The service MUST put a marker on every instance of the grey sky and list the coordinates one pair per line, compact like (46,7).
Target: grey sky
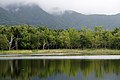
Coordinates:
(82,6)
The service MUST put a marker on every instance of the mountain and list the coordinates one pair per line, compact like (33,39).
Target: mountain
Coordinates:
(27,14)
(77,20)
(6,17)
(33,14)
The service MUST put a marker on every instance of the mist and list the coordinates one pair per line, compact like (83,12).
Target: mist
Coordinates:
(82,6)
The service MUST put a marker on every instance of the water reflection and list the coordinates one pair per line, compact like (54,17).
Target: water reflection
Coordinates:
(60,70)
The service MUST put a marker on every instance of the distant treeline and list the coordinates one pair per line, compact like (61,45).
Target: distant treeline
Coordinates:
(32,37)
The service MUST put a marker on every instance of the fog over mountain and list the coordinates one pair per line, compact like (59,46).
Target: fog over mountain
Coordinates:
(34,15)
(42,12)
(108,7)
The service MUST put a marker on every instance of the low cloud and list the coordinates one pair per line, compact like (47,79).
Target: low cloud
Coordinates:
(82,6)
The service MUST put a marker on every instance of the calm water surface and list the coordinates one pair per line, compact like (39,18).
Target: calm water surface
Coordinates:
(60,70)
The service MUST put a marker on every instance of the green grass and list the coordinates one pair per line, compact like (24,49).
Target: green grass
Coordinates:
(65,52)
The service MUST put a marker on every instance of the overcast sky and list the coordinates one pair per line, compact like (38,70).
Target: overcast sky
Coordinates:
(83,6)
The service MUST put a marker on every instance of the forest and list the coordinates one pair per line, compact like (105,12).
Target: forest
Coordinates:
(28,37)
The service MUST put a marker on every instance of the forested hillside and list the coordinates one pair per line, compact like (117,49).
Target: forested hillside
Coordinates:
(33,15)
(36,37)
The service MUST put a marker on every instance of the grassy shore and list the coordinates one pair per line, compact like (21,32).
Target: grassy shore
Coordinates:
(64,52)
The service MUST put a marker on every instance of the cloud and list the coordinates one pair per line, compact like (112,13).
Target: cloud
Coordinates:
(8,2)
(82,6)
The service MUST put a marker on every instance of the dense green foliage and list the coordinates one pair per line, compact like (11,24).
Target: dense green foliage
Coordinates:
(31,37)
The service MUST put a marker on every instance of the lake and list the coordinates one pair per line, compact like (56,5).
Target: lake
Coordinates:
(60,69)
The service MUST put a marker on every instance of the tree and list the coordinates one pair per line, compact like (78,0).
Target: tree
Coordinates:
(116,40)
(98,39)
(74,37)
(3,42)
(31,37)
(9,35)
(64,39)
(35,40)
(108,39)
(45,35)
(24,39)
(86,38)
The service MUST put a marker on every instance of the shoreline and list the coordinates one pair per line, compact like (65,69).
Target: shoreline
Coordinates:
(60,54)
(31,57)
(57,52)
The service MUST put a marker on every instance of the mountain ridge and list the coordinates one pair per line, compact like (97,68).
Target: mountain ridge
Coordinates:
(33,15)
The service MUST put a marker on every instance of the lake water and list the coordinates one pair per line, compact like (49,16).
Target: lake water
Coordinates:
(60,69)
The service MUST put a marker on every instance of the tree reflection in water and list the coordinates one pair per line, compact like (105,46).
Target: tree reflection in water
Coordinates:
(27,69)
